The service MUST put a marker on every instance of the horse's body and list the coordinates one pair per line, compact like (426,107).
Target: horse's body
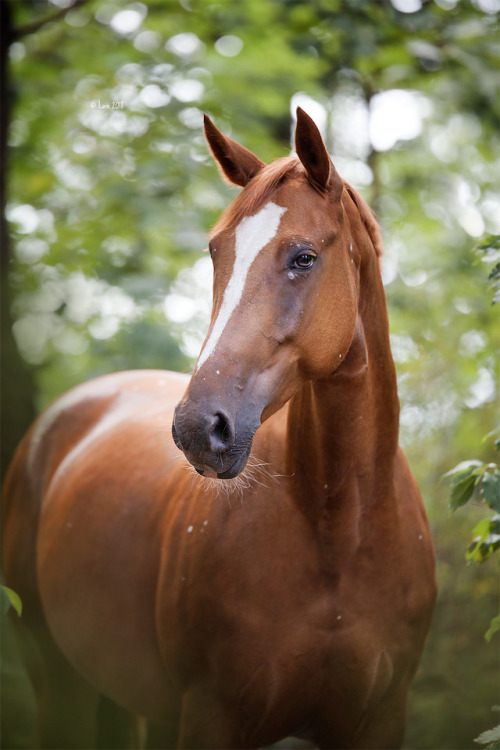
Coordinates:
(297,604)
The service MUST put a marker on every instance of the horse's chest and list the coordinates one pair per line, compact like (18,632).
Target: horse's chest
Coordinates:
(277,654)
(249,609)
(261,619)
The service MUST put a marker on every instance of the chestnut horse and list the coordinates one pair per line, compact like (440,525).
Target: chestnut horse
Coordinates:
(298,601)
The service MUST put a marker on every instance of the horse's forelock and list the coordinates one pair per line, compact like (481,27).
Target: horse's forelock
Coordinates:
(257,191)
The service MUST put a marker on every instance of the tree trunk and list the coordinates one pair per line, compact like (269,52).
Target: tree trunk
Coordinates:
(17,381)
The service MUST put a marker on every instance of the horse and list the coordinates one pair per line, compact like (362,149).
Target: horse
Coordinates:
(284,584)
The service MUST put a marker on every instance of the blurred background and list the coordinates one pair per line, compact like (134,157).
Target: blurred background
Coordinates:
(111,193)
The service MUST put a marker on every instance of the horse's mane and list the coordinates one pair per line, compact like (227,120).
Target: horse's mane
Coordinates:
(368,218)
(267,180)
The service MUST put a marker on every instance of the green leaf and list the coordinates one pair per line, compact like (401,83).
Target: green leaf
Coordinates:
(464,466)
(8,599)
(462,492)
(491,543)
(486,539)
(490,736)
(481,548)
(495,524)
(494,274)
(494,628)
(463,483)
(493,242)
(490,490)
(482,530)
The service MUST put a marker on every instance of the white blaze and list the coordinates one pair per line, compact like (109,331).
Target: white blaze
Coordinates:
(252,234)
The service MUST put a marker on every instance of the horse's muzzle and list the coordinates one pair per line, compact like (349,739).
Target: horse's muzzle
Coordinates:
(210,441)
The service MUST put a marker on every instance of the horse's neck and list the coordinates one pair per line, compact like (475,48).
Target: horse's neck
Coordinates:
(343,431)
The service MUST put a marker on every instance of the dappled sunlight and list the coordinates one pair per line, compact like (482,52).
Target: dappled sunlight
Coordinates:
(71,176)
(129,19)
(187,90)
(407,6)
(350,123)
(229,45)
(418,422)
(396,115)
(404,348)
(472,343)
(32,333)
(153,96)
(189,304)
(192,118)
(147,41)
(482,390)
(185,45)
(31,249)
(25,217)
(29,220)
(84,302)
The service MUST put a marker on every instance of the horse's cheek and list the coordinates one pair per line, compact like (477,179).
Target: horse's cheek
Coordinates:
(324,337)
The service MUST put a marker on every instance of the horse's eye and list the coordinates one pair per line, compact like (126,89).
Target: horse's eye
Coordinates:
(304,261)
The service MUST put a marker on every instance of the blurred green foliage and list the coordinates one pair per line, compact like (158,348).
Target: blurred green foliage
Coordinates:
(112,192)
(481,481)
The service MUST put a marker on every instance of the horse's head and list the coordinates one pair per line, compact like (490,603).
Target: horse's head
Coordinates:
(286,279)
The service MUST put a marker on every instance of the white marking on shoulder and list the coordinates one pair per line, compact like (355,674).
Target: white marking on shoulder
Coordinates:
(253,233)
(64,403)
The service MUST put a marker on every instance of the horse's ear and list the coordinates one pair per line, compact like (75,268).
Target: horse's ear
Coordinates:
(313,154)
(237,163)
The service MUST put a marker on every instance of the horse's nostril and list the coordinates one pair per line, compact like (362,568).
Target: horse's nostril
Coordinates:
(221,433)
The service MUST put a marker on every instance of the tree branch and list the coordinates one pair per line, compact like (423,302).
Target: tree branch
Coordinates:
(31,28)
